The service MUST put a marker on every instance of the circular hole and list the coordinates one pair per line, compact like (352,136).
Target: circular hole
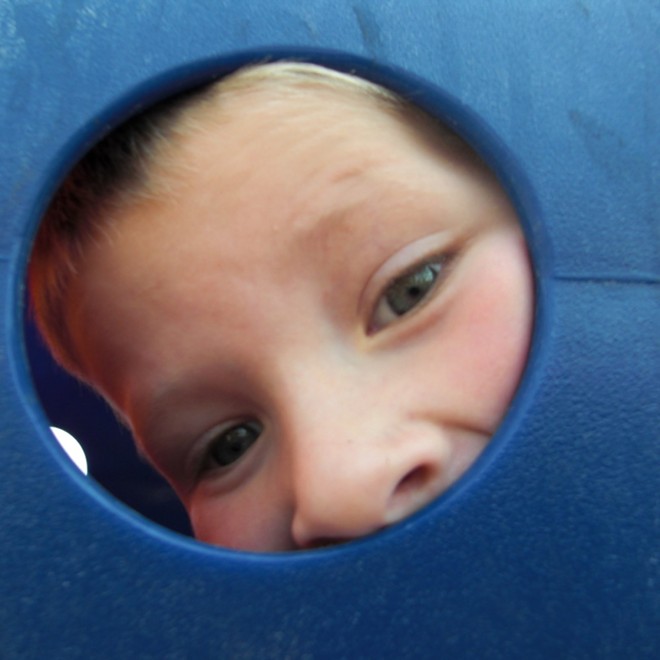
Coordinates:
(309,300)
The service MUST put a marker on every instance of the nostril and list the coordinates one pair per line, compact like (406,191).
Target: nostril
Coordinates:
(414,491)
(414,480)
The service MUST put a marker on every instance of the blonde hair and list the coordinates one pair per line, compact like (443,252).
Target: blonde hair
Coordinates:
(118,170)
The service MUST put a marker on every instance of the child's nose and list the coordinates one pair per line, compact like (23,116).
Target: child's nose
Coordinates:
(351,486)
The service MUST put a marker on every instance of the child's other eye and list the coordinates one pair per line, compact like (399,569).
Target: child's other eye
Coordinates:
(408,291)
(230,445)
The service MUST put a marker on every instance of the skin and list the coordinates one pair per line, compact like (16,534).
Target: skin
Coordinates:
(255,291)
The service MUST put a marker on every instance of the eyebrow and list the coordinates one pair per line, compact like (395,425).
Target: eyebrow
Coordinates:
(371,209)
(320,224)
(151,423)
(156,422)
(159,403)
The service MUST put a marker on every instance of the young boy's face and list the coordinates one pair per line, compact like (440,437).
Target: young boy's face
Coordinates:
(317,330)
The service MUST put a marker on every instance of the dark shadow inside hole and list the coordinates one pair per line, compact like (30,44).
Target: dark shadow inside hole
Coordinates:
(111,455)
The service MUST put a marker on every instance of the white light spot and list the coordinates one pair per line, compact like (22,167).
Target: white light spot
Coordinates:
(72,447)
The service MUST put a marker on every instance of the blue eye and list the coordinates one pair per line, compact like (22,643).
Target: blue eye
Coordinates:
(230,445)
(408,291)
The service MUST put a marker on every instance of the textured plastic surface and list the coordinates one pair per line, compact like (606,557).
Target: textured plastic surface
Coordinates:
(550,547)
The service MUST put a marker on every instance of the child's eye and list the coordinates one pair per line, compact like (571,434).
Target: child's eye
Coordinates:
(229,445)
(408,291)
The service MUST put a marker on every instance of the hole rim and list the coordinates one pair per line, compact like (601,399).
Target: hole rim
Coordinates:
(428,95)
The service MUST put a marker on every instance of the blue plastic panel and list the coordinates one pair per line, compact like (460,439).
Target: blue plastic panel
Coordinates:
(550,547)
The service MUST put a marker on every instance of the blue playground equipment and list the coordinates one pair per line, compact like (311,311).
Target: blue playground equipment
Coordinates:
(550,546)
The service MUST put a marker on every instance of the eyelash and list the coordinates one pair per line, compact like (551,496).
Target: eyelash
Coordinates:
(435,268)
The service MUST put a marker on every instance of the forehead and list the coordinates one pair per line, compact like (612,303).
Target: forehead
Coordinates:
(305,147)
(233,134)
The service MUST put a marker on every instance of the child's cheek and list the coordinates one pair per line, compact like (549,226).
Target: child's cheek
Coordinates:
(252,518)
(502,322)
(487,329)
